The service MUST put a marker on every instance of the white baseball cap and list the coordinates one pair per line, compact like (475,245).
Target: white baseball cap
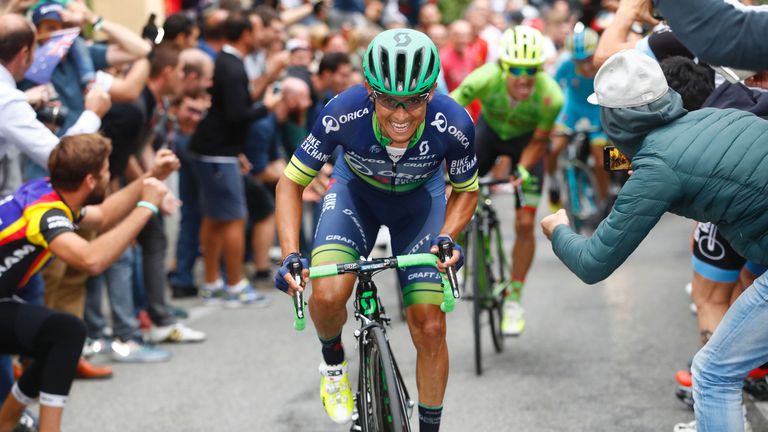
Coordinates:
(627,79)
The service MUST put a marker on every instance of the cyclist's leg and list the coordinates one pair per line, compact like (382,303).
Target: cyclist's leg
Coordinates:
(716,269)
(597,142)
(563,130)
(413,225)
(345,231)
(485,146)
(525,240)
(749,273)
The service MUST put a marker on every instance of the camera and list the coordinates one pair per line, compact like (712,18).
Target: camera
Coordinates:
(51,114)
(614,160)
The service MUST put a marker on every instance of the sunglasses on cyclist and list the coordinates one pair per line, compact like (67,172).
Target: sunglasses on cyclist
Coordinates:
(519,71)
(392,103)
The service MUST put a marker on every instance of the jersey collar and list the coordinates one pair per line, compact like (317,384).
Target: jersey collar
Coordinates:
(384,141)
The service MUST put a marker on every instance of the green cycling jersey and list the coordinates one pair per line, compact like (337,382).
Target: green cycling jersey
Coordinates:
(509,118)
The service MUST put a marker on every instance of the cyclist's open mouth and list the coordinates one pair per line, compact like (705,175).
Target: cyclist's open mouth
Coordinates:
(400,127)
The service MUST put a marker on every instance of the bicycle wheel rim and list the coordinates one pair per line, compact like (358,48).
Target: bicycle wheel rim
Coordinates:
(478,294)
(497,302)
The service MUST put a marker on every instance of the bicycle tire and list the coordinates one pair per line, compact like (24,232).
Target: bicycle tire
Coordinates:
(579,191)
(382,405)
(479,271)
(495,312)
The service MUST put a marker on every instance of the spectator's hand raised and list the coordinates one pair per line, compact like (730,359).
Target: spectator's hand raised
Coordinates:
(77,13)
(642,10)
(276,63)
(98,101)
(164,164)
(549,223)
(153,191)
(38,95)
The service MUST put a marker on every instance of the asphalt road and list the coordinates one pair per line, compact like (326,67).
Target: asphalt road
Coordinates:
(593,358)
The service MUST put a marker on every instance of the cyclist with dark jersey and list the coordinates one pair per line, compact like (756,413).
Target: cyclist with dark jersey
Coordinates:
(519,105)
(38,222)
(395,133)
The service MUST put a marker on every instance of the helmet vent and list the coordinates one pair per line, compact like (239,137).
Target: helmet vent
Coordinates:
(400,72)
(418,58)
(386,78)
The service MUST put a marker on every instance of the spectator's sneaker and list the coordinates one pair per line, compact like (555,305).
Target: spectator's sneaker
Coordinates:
(183,291)
(88,370)
(684,390)
(136,352)
(685,427)
(245,295)
(213,296)
(145,323)
(175,333)
(335,392)
(95,347)
(27,423)
(513,321)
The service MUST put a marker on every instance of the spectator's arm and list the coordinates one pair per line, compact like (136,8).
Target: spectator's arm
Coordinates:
(641,203)
(718,33)
(128,88)
(133,169)
(616,36)
(21,128)
(275,66)
(293,15)
(96,256)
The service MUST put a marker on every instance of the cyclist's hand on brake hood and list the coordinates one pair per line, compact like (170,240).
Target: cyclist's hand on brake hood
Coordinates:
(284,281)
(457,260)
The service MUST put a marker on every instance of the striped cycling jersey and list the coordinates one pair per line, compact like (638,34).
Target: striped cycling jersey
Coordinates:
(349,121)
(30,219)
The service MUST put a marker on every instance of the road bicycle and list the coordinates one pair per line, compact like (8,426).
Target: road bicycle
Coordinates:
(486,269)
(577,184)
(382,401)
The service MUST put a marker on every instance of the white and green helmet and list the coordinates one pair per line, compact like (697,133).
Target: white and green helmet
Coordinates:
(401,62)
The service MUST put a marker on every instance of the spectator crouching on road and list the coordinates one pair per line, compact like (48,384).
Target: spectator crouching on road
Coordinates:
(710,165)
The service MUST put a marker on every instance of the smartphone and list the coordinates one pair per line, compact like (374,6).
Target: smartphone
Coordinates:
(734,76)
(614,160)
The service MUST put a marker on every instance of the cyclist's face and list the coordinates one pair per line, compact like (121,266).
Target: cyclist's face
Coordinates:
(586,67)
(399,117)
(520,87)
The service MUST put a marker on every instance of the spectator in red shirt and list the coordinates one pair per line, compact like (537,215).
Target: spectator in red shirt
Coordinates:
(460,57)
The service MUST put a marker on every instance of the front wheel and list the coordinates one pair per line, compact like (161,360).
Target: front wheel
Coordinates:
(382,404)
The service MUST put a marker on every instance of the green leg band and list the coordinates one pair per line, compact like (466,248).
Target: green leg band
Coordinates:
(333,253)
(422,293)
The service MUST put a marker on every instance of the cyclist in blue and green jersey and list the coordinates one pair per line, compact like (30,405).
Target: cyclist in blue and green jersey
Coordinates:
(395,133)
(576,75)
(519,105)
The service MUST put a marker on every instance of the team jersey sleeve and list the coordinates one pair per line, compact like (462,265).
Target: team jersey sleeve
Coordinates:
(46,224)
(552,103)
(461,160)
(474,86)
(317,147)
(562,74)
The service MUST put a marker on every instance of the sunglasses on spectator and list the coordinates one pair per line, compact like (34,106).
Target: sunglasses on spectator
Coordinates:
(392,103)
(519,71)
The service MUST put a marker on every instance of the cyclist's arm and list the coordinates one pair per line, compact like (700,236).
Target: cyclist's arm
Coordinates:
(459,210)
(535,149)
(642,201)
(473,86)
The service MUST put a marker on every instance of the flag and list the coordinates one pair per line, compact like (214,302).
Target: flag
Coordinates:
(48,56)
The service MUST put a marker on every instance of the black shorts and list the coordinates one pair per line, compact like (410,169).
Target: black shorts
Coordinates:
(259,198)
(715,259)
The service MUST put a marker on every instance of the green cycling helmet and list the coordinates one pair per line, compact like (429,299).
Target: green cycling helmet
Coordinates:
(401,62)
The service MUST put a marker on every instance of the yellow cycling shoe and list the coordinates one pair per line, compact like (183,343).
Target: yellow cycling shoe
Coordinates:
(335,392)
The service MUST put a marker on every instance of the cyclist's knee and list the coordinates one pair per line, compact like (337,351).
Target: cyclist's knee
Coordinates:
(329,294)
(524,223)
(427,323)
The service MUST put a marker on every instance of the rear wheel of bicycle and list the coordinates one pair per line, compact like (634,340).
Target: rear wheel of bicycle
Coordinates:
(382,405)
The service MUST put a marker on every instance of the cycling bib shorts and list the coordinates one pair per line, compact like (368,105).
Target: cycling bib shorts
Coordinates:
(714,258)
